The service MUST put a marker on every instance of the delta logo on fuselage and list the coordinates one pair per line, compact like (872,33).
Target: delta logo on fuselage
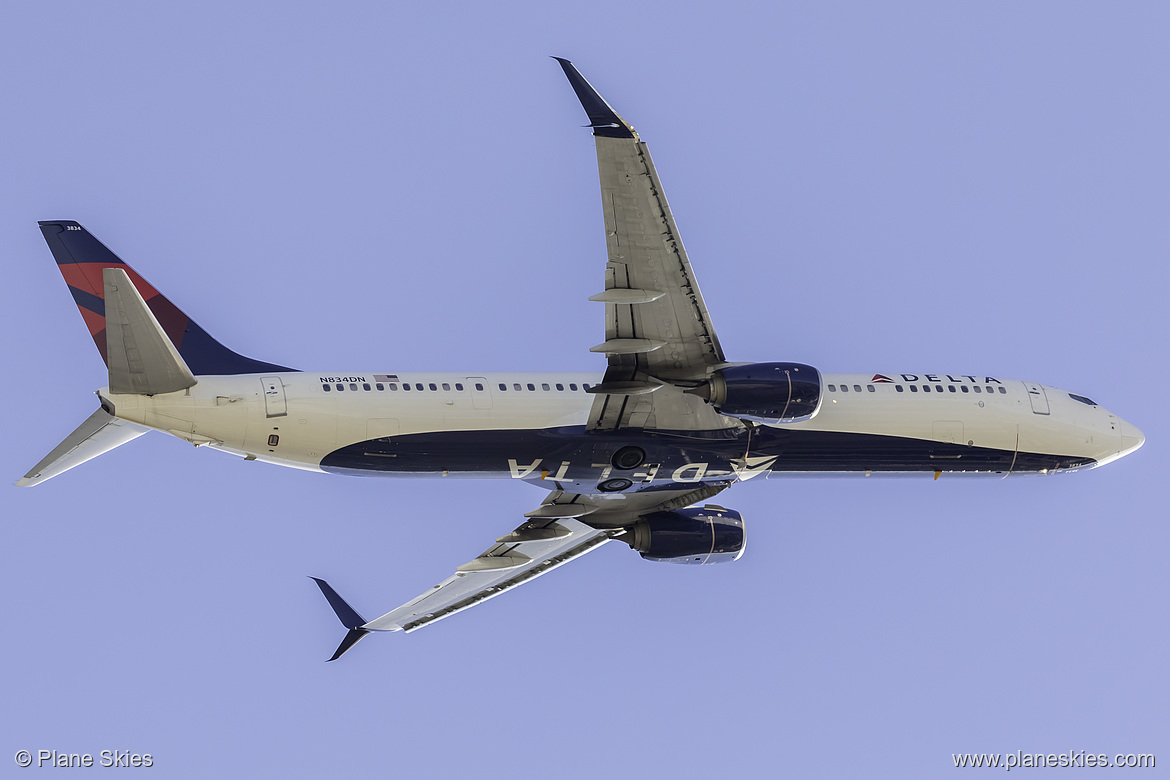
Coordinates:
(987,380)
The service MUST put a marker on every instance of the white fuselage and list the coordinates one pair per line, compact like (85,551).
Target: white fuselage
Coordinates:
(290,419)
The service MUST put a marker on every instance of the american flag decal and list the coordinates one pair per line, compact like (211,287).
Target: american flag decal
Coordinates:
(385,377)
(880,378)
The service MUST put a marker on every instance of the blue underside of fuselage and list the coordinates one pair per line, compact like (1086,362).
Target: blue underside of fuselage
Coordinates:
(573,454)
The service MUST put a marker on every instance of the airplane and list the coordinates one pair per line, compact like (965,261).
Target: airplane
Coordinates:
(631,454)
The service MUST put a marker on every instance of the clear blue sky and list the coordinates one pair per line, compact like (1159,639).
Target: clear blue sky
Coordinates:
(902,187)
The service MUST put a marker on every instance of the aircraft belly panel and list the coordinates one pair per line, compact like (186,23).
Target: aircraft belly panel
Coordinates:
(573,456)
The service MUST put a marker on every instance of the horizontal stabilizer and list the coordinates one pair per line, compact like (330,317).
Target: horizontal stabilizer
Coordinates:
(140,356)
(101,433)
(346,614)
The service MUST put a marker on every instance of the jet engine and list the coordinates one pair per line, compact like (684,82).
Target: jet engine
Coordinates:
(764,392)
(710,534)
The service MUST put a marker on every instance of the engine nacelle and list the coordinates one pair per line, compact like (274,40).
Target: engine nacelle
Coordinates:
(710,534)
(764,392)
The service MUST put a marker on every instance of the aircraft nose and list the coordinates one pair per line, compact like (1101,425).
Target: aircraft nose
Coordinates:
(1131,437)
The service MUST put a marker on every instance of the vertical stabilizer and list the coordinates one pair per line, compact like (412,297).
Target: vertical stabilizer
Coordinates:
(82,260)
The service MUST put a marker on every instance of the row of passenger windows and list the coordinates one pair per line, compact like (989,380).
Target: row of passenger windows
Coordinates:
(394,386)
(544,386)
(419,386)
(925,388)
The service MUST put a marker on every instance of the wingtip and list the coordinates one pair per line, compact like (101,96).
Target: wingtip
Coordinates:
(348,616)
(602,118)
(351,639)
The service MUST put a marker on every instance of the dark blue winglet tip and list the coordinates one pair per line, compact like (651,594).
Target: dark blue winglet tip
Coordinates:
(349,641)
(602,118)
(346,614)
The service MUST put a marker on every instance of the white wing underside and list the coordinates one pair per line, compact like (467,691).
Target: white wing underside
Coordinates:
(657,326)
(657,333)
(518,564)
(525,553)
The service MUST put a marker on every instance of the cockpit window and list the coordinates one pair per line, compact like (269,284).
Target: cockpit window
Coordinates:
(1082,399)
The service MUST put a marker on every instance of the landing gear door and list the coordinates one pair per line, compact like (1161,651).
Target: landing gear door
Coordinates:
(274,402)
(1037,397)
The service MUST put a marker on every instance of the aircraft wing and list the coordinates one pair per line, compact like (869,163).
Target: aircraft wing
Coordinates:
(554,534)
(531,550)
(657,326)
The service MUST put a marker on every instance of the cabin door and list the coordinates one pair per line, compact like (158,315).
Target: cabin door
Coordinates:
(274,402)
(1037,397)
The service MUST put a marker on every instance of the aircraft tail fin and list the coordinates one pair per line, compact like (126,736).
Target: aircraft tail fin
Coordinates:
(83,260)
(99,434)
(347,615)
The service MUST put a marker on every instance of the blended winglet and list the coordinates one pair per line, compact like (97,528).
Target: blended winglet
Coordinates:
(602,118)
(346,614)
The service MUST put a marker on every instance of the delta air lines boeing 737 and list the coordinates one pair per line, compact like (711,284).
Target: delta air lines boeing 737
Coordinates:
(634,453)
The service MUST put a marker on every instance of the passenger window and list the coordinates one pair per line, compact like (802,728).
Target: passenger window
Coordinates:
(898,388)
(832,388)
(394,387)
(365,387)
(503,386)
(418,386)
(926,388)
(844,388)
(1003,390)
(531,386)
(326,388)
(951,388)
(978,389)
(990,389)
(870,388)
(573,386)
(516,386)
(432,386)
(379,386)
(478,387)
(340,387)
(406,386)
(964,388)
(560,386)
(447,386)
(857,388)
(545,386)
(586,385)
(913,388)
(938,388)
